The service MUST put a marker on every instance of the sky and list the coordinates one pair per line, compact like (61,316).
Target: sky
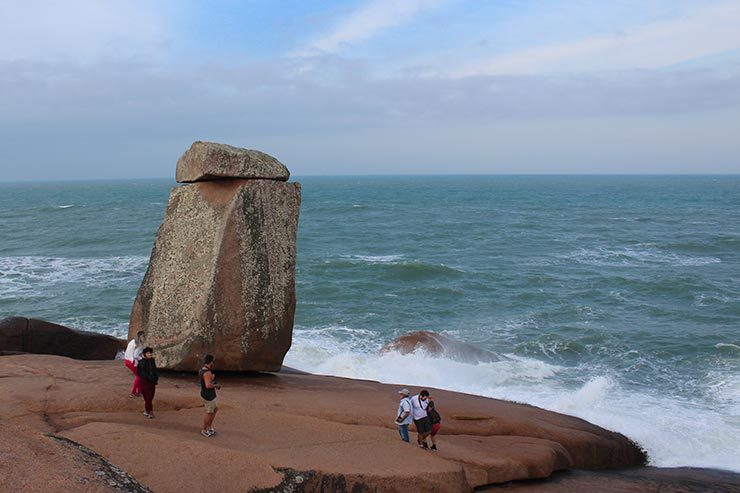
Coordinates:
(93,89)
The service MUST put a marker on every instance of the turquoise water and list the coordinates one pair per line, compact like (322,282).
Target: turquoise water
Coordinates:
(613,298)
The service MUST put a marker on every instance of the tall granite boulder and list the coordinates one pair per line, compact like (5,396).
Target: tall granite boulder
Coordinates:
(221,277)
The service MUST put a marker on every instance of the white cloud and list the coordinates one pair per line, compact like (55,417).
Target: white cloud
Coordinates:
(706,32)
(80,30)
(367,21)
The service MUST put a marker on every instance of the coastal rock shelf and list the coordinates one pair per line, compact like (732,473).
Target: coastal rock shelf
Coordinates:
(221,277)
(30,335)
(289,428)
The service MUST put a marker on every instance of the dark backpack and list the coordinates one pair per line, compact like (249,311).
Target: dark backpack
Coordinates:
(434,416)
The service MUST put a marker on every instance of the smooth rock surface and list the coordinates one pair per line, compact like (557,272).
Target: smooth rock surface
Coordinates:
(335,434)
(221,277)
(29,335)
(642,480)
(33,462)
(206,161)
(436,344)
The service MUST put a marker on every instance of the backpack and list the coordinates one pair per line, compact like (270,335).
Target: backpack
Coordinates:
(434,416)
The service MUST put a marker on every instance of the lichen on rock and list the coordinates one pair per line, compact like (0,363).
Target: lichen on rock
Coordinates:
(221,277)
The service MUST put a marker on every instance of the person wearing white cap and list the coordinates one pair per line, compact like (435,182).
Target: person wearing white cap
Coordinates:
(403,419)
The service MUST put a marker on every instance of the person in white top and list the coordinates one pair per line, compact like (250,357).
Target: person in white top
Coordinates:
(419,406)
(403,419)
(131,358)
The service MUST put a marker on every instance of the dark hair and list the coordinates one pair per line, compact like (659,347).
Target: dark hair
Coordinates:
(147,350)
(140,333)
(208,359)
(424,393)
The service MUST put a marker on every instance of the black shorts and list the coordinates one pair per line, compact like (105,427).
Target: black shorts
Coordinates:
(423,425)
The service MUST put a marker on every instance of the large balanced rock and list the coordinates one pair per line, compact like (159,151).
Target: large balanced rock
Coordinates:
(206,161)
(435,344)
(29,335)
(221,278)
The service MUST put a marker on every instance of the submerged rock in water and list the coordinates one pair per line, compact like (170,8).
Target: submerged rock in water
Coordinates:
(438,345)
(221,277)
(206,161)
(29,335)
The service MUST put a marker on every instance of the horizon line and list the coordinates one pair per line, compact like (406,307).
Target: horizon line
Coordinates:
(349,175)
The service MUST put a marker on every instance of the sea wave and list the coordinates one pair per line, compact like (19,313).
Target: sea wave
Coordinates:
(727,345)
(633,257)
(375,259)
(707,299)
(397,266)
(26,274)
(96,324)
(674,431)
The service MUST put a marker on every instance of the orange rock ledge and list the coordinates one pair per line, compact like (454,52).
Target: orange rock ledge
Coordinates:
(281,432)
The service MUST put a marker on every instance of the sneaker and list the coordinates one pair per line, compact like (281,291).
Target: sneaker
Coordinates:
(133,396)
(148,415)
(424,445)
(433,447)
(211,431)
(206,433)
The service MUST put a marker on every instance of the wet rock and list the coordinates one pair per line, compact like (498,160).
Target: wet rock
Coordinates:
(643,479)
(29,335)
(438,345)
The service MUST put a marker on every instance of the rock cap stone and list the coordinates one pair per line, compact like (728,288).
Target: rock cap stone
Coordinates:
(206,161)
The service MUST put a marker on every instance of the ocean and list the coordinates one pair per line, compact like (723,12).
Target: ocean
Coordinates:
(611,298)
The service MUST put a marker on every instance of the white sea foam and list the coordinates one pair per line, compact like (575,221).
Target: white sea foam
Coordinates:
(633,257)
(89,324)
(376,259)
(65,206)
(28,274)
(727,345)
(675,432)
(706,299)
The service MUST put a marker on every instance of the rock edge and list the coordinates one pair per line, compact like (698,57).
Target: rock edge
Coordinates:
(206,161)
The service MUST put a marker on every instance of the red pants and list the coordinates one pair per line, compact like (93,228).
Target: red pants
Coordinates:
(435,428)
(147,390)
(136,388)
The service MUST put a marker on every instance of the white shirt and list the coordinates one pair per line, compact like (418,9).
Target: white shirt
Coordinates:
(404,406)
(419,407)
(133,352)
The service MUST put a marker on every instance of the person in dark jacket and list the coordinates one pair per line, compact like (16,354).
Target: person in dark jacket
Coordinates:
(436,421)
(147,370)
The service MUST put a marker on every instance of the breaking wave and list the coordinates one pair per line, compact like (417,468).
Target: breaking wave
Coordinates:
(674,431)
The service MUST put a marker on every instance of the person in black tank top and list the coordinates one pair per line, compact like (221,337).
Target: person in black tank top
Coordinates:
(207,394)
(208,387)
